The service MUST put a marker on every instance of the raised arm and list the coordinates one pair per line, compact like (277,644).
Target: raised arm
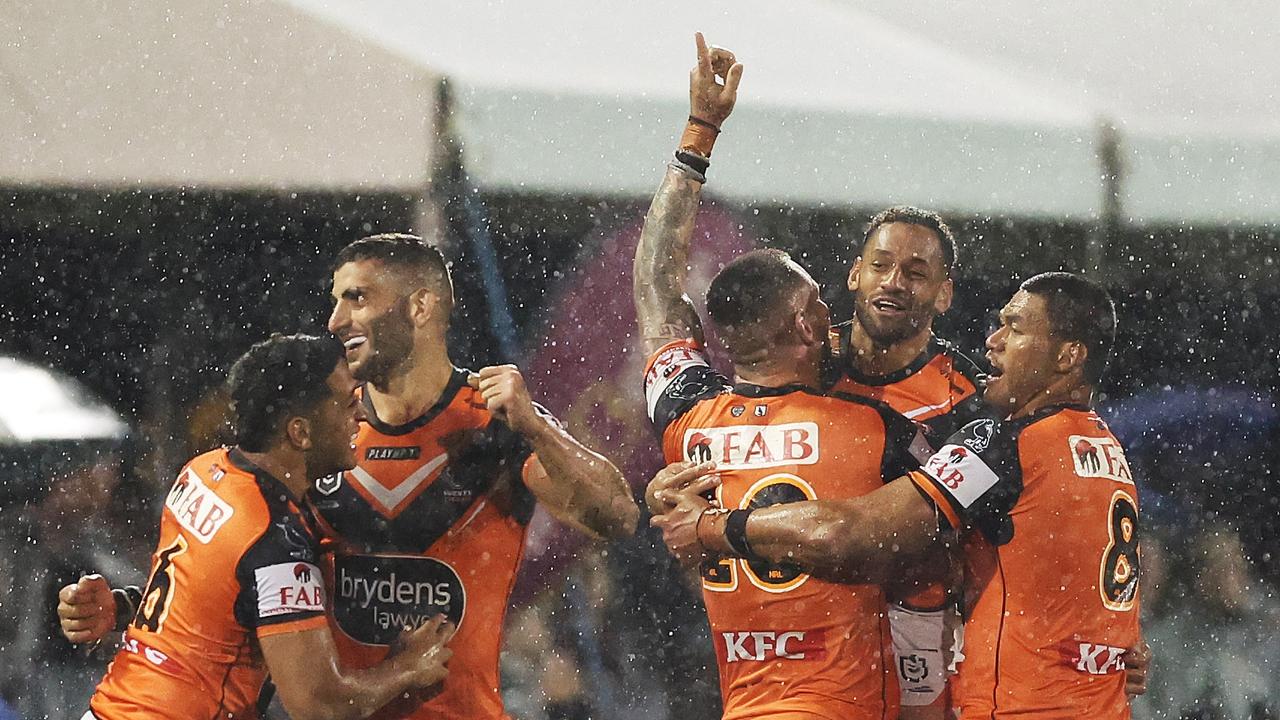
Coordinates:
(576,484)
(663,311)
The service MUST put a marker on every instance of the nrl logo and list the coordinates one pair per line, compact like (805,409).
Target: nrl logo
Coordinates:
(329,484)
(980,435)
(914,668)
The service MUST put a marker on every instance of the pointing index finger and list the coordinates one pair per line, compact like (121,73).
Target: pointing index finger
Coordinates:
(704,55)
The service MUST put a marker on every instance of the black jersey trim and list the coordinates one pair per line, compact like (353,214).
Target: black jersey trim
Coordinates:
(267,483)
(934,348)
(1022,423)
(456,383)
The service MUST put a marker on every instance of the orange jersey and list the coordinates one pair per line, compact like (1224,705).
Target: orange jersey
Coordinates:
(938,390)
(788,645)
(237,561)
(431,520)
(1055,569)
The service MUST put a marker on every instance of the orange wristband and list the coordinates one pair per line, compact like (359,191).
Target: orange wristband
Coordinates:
(699,137)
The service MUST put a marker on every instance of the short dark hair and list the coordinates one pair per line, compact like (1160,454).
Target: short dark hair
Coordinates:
(1079,310)
(401,251)
(915,216)
(750,290)
(282,376)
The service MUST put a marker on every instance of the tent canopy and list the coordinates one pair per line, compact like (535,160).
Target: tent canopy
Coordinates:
(857,102)
(1194,88)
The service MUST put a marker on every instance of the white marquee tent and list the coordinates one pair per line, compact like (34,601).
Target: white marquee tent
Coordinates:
(841,104)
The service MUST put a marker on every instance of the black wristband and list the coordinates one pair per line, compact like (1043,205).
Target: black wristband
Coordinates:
(735,533)
(693,160)
(127,601)
(699,121)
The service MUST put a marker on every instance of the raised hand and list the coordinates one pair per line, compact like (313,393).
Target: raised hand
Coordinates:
(713,83)
(426,649)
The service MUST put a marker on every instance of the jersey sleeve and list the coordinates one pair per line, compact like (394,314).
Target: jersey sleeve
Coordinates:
(281,586)
(976,478)
(903,440)
(676,378)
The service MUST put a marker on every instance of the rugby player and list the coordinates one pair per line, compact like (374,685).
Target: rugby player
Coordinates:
(450,464)
(787,645)
(901,280)
(235,589)
(1045,495)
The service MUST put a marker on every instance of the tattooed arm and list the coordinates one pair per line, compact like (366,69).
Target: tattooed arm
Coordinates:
(663,309)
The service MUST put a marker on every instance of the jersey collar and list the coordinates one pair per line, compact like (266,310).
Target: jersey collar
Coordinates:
(456,383)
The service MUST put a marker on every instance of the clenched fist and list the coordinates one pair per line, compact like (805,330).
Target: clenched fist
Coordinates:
(504,391)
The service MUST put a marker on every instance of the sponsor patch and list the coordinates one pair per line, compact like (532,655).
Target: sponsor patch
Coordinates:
(961,473)
(754,446)
(289,588)
(1099,457)
(1092,658)
(759,646)
(198,510)
(666,368)
(393,453)
(376,597)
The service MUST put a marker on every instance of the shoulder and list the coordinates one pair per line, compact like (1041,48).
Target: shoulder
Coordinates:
(677,377)
(214,501)
(960,361)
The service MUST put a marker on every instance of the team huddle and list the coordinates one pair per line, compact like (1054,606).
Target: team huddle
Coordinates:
(881,528)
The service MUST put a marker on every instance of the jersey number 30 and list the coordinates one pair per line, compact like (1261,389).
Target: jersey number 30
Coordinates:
(1118,580)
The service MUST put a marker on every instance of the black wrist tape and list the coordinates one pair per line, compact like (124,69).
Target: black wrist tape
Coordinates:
(735,533)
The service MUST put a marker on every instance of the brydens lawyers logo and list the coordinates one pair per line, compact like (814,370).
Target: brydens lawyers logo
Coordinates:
(737,646)
(754,446)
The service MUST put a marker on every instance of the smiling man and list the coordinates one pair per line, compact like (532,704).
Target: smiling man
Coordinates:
(1045,499)
(433,517)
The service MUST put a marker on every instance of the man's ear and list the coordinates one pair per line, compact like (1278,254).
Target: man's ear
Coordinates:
(423,306)
(806,328)
(1072,356)
(945,294)
(298,432)
(852,282)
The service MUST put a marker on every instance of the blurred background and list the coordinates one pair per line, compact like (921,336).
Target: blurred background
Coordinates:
(175,179)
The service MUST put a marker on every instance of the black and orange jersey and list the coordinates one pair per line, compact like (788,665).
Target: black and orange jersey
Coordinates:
(938,390)
(237,560)
(1054,568)
(431,521)
(788,645)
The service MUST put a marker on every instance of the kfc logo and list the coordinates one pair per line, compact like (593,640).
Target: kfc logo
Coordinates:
(772,645)
(302,572)
(1099,457)
(1093,658)
(754,446)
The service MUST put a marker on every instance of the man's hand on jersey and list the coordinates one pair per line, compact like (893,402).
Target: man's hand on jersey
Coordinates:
(86,609)
(425,647)
(504,391)
(679,524)
(709,99)
(1137,661)
(676,476)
